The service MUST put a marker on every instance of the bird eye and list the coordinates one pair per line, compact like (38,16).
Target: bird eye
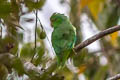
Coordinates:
(64,34)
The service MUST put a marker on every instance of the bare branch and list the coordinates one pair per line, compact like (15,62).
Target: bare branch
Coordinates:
(35,35)
(116,77)
(96,37)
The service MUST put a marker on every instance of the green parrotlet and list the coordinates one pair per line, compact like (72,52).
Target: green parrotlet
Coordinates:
(63,37)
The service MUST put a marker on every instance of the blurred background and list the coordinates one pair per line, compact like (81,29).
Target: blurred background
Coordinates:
(98,61)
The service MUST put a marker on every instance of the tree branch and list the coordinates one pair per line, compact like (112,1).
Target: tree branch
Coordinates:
(7,58)
(116,77)
(35,35)
(96,37)
(31,70)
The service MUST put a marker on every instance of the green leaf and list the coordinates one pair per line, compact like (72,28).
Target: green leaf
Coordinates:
(18,66)
(27,51)
(100,74)
(14,49)
(40,51)
(34,5)
(5,8)
(68,75)
(80,58)
(108,17)
(12,43)
(3,72)
(8,44)
(112,18)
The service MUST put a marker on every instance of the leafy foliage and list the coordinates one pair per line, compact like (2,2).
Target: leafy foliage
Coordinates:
(34,4)
(16,53)
(7,8)
(4,72)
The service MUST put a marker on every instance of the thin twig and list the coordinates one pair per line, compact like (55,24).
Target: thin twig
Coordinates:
(43,29)
(96,37)
(35,36)
(1,32)
(116,77)
(46,34)
(0,29)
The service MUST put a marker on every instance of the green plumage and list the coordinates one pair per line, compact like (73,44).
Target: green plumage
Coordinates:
(63,37)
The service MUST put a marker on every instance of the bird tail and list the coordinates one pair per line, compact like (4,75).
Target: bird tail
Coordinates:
(62,58)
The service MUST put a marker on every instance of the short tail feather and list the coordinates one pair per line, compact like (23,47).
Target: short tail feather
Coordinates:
(62,58)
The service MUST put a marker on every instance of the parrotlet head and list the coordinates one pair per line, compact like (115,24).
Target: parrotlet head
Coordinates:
(57,19)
